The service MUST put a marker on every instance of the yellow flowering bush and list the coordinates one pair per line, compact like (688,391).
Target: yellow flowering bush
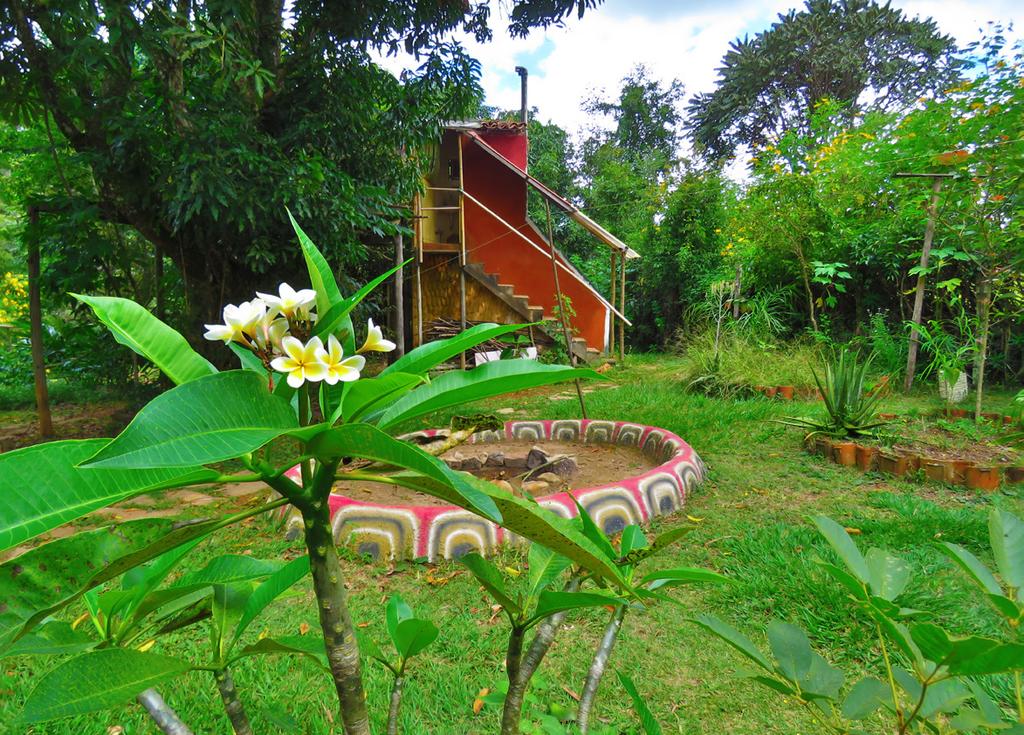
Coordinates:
(13,298)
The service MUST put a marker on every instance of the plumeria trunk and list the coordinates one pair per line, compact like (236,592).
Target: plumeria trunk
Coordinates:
(512,711)
(983,301)
(165,718)
(232,704)
(597,667)
(339,633)
(396,703)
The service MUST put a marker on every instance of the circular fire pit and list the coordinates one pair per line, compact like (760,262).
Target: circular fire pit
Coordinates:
(661,469)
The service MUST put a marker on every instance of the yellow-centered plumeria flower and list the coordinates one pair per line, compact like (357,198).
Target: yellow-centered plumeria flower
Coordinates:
(288,301)
(340,369)
(375,341)
(238,321)
(301,362)
(269,331)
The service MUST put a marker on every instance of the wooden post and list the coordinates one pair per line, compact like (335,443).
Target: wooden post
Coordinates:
(417,244)
(611,314)
(929,233)
(35,318)
(736,285)
(622,310)
(566,334)
(462,254)
(399,301)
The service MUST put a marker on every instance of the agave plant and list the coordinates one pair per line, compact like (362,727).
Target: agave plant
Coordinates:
(849,408)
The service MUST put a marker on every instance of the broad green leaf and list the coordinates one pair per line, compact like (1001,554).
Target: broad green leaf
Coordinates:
(822,680)
(864,699)
(647,721)
(335,317)
(369,647)
(489,576)
(212,419)
(553,601)
(592,532)
(45,579)
(141,580)
(1006,534)
(397,611)
(661,542)
(1006,607)
(545,566)
(320,274)
(771,683)
(42,487)
(633,539)
(248,360)
(432,354)
(457,388)
(229,602)
(791,649)
(943,696)
(735,639)
(974,567)
(269,590)
(96,681)
(310,646)
(898,634)
(54,638)
(230,568)
(531,521)
(843,545)
(371,394)
(852,585)
(369,442)
(888,575)
(413,635)
(143,333)
(682,575)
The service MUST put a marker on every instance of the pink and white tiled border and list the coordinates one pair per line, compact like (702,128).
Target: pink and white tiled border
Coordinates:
(433,532)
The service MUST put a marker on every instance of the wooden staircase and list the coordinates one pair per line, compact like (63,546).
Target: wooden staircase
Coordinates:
(521,305)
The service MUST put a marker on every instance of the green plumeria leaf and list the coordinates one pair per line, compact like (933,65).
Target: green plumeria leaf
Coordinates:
(397,611)
(1006,534)
(134,327)
(888,575)
(974,567)
(735,639)
(367,395)
(864,699)
(55,638)
(647,721)
(682,575)
(96,681)
(489,576)
(275,585)
(457,388)
(413,635)
(330,321)
(310,646)
(42,487)
(211,419)
(545,566)
(432,354)
(844,546)
(553,601)
(369,442)
(791,649)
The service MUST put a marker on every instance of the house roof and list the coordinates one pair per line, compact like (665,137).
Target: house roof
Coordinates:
(559,201)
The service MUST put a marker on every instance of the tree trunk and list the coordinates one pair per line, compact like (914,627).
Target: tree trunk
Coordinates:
(737,284)
(598,666)
(983,304)
(915,334)
(165,718)
(513,710)
(232,704)
(35,317)
(339,633)
(396,703)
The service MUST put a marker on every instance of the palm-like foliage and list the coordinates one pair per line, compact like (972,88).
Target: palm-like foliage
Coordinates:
(849,409)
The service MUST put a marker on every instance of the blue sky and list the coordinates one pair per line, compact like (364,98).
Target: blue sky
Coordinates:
(682,39)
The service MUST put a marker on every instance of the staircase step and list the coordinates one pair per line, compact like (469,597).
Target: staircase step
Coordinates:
(536,313)
(508,288)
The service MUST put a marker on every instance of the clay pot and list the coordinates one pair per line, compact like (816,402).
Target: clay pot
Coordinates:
(769,391)
(937,470)
(1007,420)
(958,413)
(887,416)
(913,463)
(823,446)
(1014,475)
(959,467)
(997,417)
(785,392)
(844,453)
(892,463)
(867,457)
(982,478)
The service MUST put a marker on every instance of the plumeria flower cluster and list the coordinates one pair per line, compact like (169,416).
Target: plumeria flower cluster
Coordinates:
(279,331)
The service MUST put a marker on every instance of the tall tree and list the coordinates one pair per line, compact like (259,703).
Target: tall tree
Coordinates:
(203,120)
(855,52)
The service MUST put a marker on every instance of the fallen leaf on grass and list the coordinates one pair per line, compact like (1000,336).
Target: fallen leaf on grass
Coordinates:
(854,531)
(440,581)
(694,519)
(478,703)
(570,692)
(303,628)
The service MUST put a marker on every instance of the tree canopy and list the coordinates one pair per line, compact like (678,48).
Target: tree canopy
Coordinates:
(855,52)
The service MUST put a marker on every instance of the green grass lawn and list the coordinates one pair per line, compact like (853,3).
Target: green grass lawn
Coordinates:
(752,525)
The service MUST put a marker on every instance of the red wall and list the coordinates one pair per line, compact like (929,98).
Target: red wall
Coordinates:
(511,145)
(505,254)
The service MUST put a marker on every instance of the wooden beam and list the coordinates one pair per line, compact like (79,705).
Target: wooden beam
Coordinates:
(462,253)
(622,303)
(566,334)
(610,347)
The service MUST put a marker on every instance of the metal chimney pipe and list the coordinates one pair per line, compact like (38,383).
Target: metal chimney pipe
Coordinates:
(523,109)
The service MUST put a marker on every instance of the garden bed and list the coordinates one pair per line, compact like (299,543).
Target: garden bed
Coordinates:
(950,449)
(623,474)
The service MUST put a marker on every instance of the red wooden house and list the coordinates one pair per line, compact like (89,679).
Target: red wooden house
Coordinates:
(479,257)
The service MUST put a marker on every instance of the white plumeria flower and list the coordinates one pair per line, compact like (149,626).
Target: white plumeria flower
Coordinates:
(338,369)
(238,321)
(375,341)
(289,300)
(302,362)
(270,331)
